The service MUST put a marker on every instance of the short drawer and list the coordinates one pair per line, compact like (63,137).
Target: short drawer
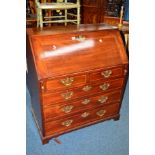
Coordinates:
(71,94)
(83,118)
(106,74)
(65,82)
(64,109)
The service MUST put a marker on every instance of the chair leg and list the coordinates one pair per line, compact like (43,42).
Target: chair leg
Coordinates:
(41,18)
(37,17)
(78,15)
(65,17)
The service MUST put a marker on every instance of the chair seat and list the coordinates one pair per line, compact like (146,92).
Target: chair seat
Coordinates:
(58,5)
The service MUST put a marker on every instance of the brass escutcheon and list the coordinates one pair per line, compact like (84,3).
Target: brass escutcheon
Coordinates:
(67,81)
(105,86)
(79,38)
(85,114)
(42,87)
(101,113)
(67,95)
(106,73)
(67,108)
(67,123)
(85,101)
(87,88)
(103,99)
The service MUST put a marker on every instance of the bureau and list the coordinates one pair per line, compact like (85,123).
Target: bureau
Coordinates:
(75,75)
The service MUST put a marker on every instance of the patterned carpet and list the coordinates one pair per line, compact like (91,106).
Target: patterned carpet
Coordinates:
(106,138)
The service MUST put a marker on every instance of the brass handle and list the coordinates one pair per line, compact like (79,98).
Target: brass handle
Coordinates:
(101,113)
(79,38)
(67,123)
(106,73)
(85,101)
(105,86)
(85,114)
(103,99)
(67,108)
(87,88)
(67,95)
(67,81)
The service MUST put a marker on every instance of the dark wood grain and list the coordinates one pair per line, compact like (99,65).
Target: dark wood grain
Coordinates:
(53,98)
(56,84)
(52,111)
(56,126)
(33,85)
(47,61)
(92,11)
(92,63)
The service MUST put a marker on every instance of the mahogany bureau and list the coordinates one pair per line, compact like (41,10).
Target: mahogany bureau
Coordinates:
(75,75)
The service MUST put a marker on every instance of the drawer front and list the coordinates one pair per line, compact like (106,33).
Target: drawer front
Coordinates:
(83,118)
(68,95)
(106,74)
(50,112)
(65,82)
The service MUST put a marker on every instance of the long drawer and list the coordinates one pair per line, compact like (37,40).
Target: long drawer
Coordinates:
(81,119)
(67,108)
(70,94)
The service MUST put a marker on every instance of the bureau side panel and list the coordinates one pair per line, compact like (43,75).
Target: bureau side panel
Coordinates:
(33,85)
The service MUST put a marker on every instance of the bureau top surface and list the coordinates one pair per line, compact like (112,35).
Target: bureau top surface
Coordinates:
(68,50)
(68,29)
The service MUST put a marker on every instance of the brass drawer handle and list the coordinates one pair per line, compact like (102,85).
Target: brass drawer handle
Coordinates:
(103,99)
(67,123)
(101,113)
(85,114)
(87,88)
(67,95)
(106,73)
(85,101)
(67,108)
(67,81)
(105,86)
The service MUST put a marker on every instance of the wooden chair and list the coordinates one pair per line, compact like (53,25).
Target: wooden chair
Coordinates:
(64,5)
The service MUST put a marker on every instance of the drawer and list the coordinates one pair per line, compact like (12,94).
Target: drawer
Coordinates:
(83,118)
(71,94)
(65,82)
(63,109)
(106,74)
